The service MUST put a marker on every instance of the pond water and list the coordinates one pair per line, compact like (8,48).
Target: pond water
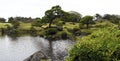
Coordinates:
(19,48)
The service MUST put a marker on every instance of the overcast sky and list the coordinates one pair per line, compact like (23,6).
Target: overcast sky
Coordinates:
(36,8)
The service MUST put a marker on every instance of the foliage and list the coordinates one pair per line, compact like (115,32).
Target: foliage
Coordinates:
(112,18)
(54,12)
(98,17)
(51,31)
(87,20)
(58,22)
(37,22)
(4,25)
(74,16)
(22,19)
(15,23)
(102,45)
(75,31)
(103,23)
(71,25)
(71,16)
(57,12)
(2,20)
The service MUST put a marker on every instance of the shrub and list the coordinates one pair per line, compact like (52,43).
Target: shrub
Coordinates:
(75,31)
(60,23)
(81,26)
(51,31)
(33,31)
(60,28)
(102,45)
(64,35)
(15,23)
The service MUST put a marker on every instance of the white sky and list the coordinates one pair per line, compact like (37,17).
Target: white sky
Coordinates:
(36,8)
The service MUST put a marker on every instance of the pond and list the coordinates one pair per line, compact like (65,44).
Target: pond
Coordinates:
(19,48)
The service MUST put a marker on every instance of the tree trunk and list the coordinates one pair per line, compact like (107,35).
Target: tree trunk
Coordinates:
(50,23)
(51,50)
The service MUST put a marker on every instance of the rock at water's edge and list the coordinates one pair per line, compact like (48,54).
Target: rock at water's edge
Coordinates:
(37,56)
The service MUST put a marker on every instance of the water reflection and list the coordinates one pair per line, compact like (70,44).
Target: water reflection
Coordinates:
(19,48)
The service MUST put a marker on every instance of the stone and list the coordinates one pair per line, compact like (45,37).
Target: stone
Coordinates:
(37,56)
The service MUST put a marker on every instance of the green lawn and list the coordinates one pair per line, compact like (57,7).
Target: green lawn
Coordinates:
(4,25)
(71,25)
(25,26)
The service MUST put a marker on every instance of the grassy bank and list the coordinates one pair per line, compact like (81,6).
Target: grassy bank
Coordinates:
(70,29)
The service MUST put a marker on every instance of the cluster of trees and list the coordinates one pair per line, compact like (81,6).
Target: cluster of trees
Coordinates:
(22,19)
(57,12)
(72,16)
(113,18)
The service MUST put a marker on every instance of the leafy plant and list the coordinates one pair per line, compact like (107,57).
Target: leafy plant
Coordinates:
(102,45)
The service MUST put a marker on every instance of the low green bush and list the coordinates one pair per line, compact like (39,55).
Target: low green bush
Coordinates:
(75,31)
(51,31)
(102,45)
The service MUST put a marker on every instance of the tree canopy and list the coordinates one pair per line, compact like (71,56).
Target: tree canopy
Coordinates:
(2,19)
(54,12)
(87,20)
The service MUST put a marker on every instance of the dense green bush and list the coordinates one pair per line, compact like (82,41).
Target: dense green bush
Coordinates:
(33,31)
(15,23)
(51,31)
(75,31)
(102,45)
(64,35)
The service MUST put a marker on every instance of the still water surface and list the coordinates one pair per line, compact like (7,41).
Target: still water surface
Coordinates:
(19,48)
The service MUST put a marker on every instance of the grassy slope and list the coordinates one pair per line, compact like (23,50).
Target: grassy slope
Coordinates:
(4,25)
(25,26)
(70,25)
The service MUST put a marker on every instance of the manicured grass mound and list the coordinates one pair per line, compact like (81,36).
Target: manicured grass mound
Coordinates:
(101,45)
(25,26)
(4,25)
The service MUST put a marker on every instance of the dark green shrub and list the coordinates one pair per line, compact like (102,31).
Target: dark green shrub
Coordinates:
(60,28)
(15,23)
(33,31)
(60,23)
(64,22)
(51,31)
(76,31)
(64,35)
(102,45)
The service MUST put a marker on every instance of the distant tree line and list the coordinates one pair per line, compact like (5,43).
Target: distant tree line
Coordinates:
(22,19)
(110,17)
